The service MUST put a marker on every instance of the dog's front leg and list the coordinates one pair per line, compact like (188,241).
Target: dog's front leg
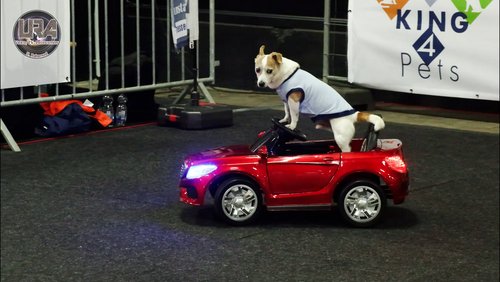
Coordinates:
(293,107)
(286,119)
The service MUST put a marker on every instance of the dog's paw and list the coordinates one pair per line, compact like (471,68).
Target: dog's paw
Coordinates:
(291,126)
(284,120)
(378,127)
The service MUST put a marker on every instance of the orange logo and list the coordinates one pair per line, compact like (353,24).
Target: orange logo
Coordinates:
(391,7)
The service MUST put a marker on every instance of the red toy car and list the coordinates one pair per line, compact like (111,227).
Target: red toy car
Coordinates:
(283,171)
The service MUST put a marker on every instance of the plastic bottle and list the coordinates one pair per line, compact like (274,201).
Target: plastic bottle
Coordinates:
(121,110)
(107,108)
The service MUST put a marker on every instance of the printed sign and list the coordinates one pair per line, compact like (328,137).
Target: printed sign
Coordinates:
(178,13)
(35,36)
(443,48)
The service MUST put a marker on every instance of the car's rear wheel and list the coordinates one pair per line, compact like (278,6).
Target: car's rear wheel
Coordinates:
(238,201)
(362,203)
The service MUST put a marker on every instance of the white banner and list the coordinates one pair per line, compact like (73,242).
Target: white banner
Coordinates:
(444,48)
(193,23)
(179,23)
(35,38)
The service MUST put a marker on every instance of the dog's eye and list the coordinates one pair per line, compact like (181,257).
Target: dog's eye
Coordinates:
(257,70)
(269,71)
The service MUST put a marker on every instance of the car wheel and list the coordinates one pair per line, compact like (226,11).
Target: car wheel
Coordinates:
(238,201)
(362,203)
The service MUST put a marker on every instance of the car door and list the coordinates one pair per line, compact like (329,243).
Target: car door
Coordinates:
(302,173)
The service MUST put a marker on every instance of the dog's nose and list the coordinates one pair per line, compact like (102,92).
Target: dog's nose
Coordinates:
(261,84)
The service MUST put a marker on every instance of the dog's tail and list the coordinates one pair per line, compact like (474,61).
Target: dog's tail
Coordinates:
(377,121)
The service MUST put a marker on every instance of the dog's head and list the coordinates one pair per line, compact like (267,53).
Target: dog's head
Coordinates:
(272,69)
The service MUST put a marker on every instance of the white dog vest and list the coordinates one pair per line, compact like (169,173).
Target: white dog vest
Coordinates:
(319,100)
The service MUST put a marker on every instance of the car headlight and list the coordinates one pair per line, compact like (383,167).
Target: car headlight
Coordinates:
(198,171)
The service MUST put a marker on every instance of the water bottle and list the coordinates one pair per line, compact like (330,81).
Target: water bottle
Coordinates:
(121,110)
(107,108)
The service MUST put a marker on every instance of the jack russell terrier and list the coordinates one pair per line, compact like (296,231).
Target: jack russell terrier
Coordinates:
(302,92)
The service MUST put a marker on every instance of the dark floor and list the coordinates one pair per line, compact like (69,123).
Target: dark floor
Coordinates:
(104,207)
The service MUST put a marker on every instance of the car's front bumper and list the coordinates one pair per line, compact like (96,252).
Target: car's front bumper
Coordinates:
(192,191)
(189,195)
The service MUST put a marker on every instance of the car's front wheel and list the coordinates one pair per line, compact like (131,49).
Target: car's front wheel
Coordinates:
(362,203)
(238,201)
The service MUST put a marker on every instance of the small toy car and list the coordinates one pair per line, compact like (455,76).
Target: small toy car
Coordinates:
(281,170)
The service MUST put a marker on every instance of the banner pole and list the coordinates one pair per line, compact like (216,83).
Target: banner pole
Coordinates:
(195,96)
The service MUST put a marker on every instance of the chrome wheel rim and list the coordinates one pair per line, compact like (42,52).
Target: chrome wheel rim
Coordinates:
(362,204)
(239,202)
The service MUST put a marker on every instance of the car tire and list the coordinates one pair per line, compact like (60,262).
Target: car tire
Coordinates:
(238,201)
(362,203)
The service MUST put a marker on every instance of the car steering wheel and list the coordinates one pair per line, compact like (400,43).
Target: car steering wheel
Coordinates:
(296,134)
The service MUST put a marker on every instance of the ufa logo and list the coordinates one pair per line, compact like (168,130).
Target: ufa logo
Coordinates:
(36,34)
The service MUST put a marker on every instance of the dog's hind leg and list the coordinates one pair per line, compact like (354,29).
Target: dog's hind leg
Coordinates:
(343,131)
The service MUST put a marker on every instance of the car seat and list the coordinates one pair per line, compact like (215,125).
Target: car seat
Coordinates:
(370,140)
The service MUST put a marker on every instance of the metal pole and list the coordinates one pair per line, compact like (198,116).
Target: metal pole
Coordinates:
(122,42)
(138,40)
(97,93)
(168,40)
(153,42)
(73,49)
(89,29)
(106,43)
(326,40)
(8,137)
(96,40)
(183,63)
(211,40)
(195,96)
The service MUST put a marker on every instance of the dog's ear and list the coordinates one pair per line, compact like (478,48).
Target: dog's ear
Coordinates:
(277,57)
(261,50)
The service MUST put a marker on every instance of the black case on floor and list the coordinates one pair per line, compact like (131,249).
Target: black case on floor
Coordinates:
(195,117)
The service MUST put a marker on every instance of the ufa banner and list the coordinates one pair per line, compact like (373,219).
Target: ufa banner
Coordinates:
(443,48)
(35,38)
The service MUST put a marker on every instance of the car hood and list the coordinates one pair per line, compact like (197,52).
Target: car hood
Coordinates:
(222,152)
